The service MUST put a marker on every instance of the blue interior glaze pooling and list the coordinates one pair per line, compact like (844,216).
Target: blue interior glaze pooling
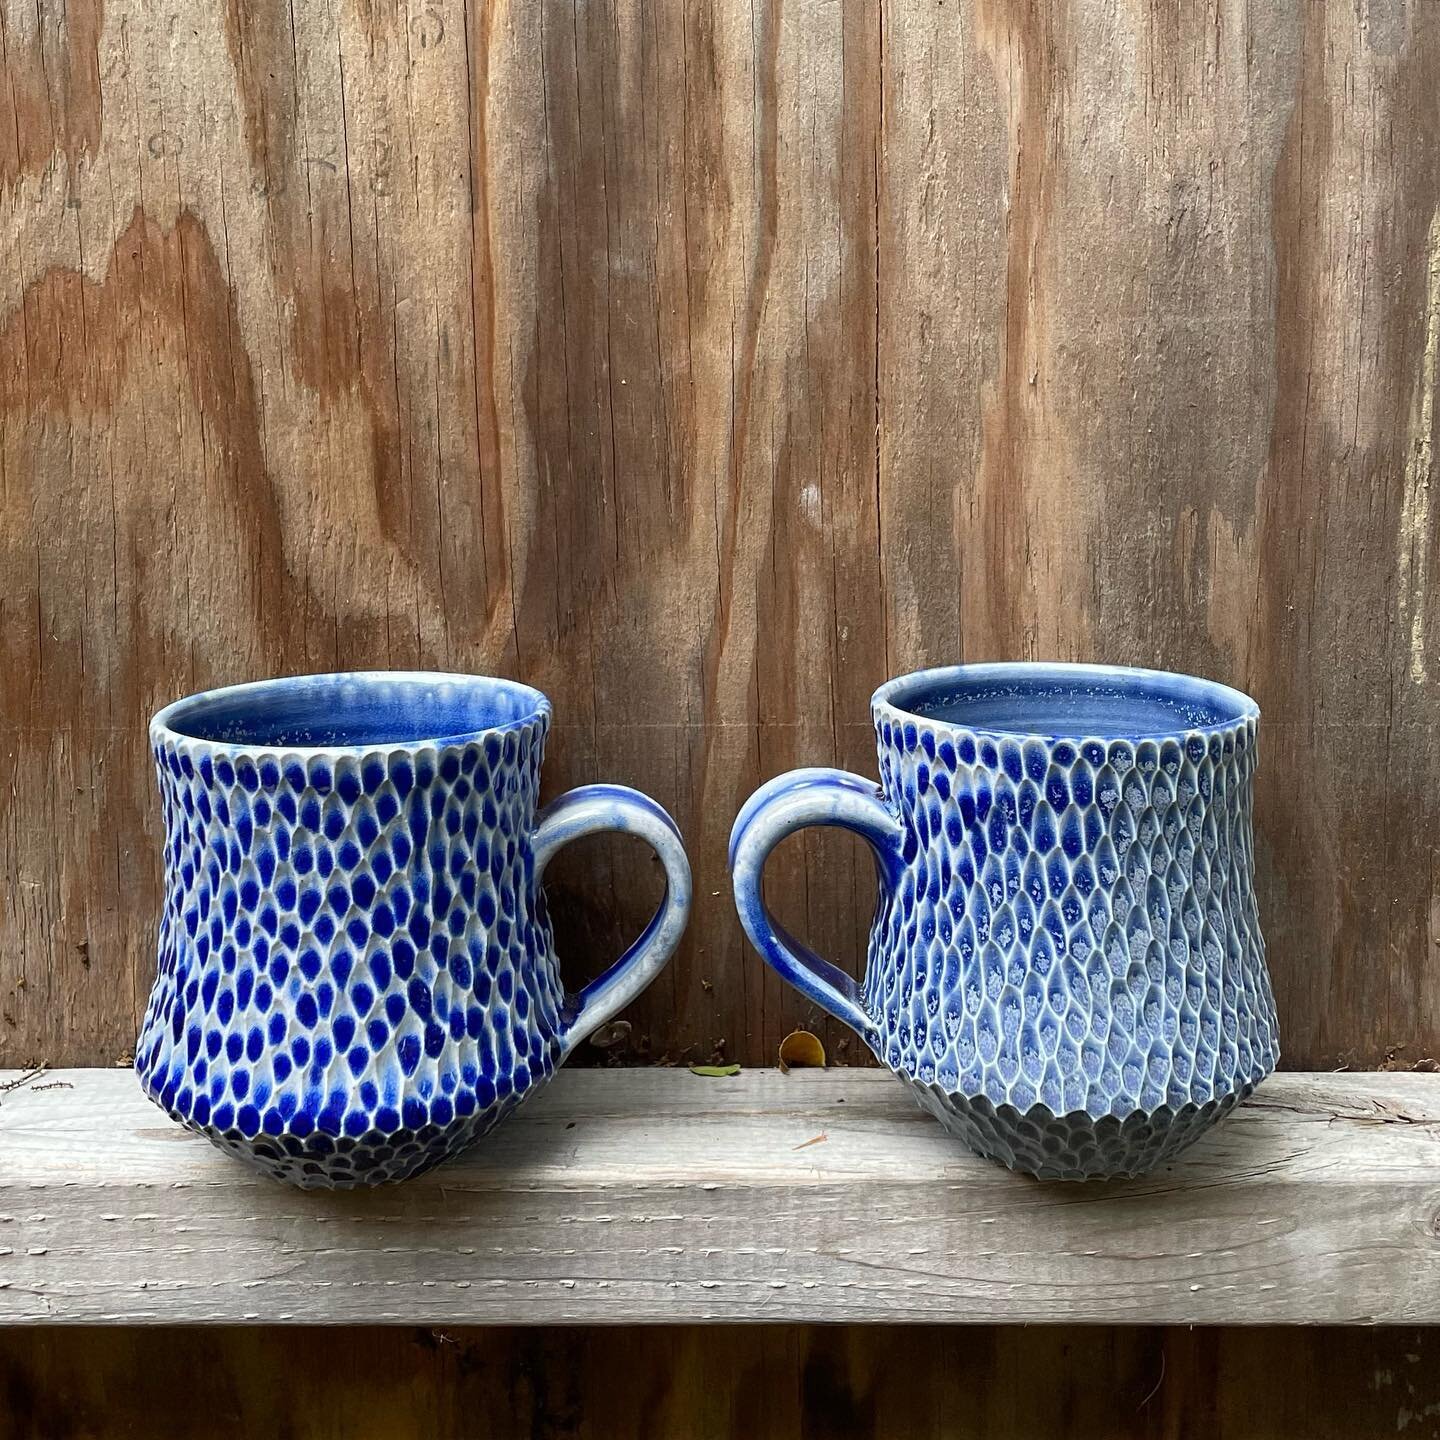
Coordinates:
(1066,964)
(344,711)
(356,972)
(1101,702)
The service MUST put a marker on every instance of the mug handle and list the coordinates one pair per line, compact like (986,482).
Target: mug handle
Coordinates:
(597,809)
(777,809)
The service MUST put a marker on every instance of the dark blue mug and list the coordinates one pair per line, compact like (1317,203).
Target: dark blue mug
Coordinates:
(1066,963)
(356,973)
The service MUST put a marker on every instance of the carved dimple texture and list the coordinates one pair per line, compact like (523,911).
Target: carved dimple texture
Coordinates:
(356,976)
(1070,972)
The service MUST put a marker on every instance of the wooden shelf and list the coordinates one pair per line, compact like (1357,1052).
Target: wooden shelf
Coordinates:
(657,1195)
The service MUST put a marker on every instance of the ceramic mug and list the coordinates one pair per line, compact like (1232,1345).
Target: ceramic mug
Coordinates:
(1066,964)
(356,970)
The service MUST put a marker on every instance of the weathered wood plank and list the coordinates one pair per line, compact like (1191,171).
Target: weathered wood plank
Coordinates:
(704,363)
(642,1196)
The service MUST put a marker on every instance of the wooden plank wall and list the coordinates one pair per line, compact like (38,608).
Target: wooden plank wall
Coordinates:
(699,1383)
(704,363)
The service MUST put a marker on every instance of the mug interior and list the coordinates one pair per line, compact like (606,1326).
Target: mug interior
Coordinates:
(360,709)
(1067,701)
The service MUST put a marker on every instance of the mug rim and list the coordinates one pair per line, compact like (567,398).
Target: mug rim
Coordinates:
(165,723)
(888,703)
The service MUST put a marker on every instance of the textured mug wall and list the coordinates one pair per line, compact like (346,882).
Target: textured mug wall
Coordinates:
(703,364)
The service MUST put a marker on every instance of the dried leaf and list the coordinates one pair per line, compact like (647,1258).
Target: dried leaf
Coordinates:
(801,1050)
(715,1070)
(612,1036)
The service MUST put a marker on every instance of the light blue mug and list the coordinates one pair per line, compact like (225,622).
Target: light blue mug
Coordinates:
(356,973)
(1066,963)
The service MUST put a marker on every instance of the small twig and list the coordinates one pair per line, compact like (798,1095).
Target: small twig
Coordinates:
(24,1078)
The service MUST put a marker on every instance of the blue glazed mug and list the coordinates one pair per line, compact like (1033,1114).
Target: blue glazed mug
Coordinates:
(1066,964)
(356,973)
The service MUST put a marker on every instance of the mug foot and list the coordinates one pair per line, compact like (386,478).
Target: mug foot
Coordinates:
(1076,1146)
(318,1160)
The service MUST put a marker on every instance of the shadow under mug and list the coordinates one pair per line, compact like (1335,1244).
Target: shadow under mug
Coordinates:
(357,975)
(1066,963)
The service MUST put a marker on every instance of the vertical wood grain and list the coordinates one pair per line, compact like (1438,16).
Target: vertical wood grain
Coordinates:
(830,1383)
(704,364)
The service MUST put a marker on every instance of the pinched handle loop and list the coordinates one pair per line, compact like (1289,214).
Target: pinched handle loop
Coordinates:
(787,804)
(592,810)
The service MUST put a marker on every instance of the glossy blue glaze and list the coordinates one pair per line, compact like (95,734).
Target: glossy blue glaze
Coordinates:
(1066,963)
(356,970)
